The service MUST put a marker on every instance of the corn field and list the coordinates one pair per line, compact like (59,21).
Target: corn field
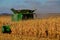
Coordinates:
(34,29)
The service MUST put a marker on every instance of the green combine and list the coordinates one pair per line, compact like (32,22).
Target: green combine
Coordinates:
(22,14)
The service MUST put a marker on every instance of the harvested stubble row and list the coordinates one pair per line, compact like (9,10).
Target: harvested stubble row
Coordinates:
(33,28)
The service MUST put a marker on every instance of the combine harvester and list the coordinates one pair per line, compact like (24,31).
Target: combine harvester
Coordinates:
(22,14)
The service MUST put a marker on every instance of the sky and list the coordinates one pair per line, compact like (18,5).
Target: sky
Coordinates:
(42,6)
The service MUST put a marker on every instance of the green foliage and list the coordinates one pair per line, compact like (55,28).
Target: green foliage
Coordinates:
(6,29)
(2,29)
